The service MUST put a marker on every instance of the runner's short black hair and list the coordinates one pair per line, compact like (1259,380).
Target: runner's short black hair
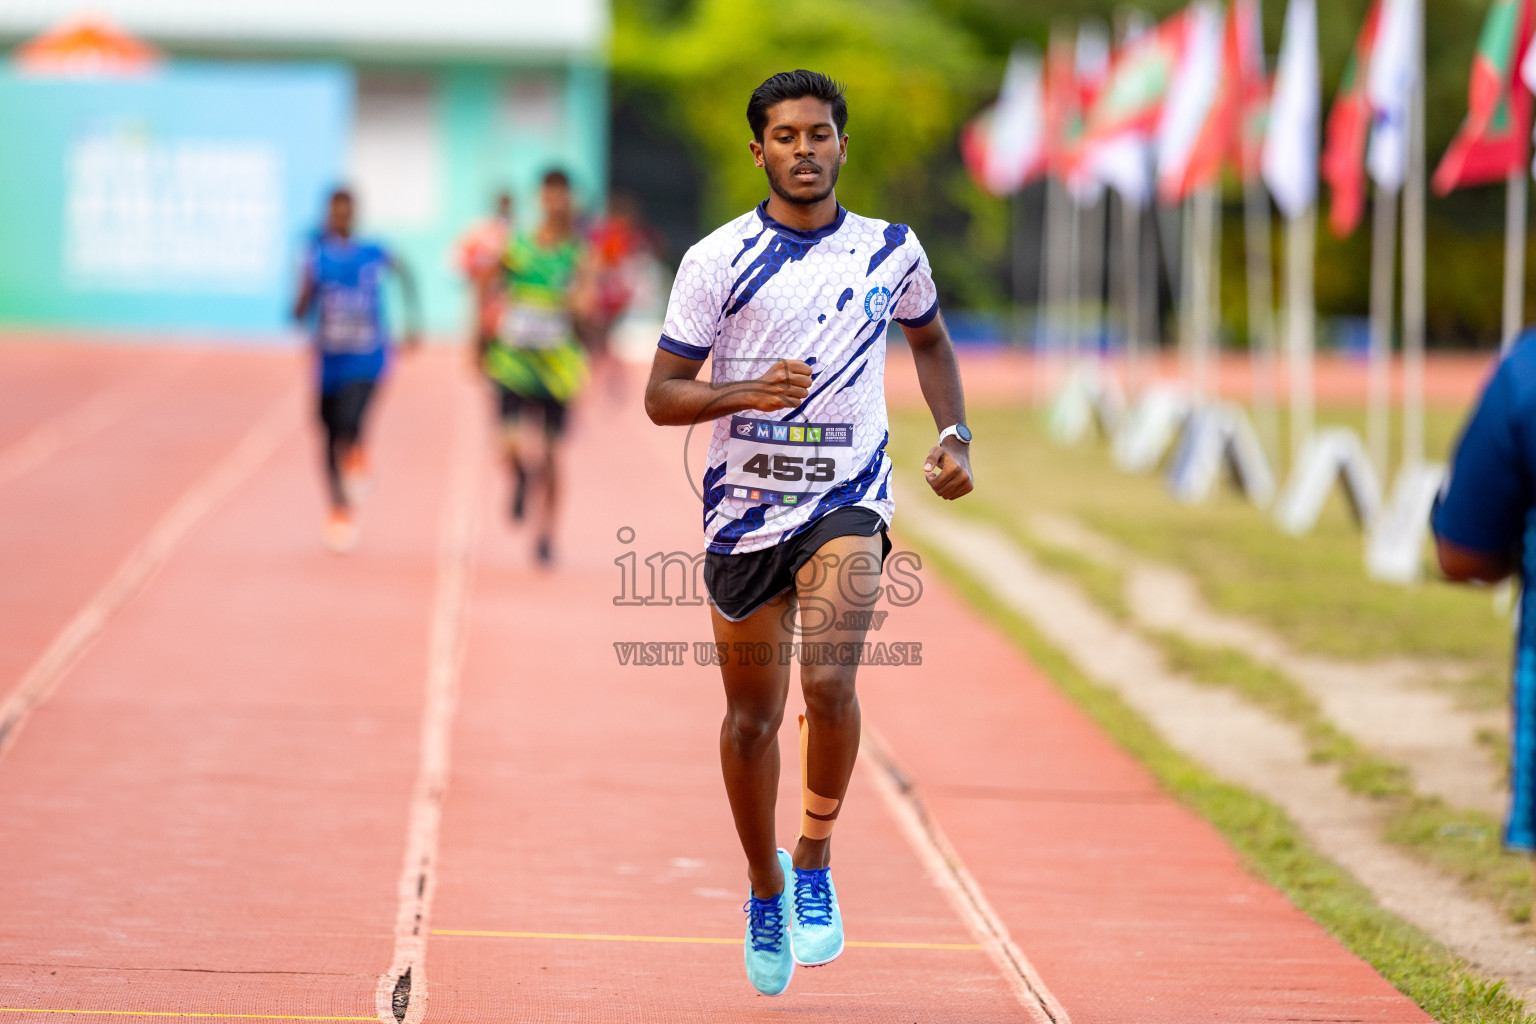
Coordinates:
(793,85)
(556,176)
(341,192)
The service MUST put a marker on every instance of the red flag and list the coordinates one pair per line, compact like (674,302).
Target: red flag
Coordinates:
(1124,116)
(1493,140)
(1063,109)
(1234,128)
(1220,138)
(1132,97)
(1245,68)
(1216,119)
(1004,145)
(1348,132)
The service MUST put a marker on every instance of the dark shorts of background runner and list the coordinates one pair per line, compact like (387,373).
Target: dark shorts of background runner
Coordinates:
(741,584)
(343,407)
(512,407)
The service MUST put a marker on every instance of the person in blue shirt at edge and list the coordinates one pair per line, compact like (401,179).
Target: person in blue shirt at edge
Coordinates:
(341,293)
(1485,531)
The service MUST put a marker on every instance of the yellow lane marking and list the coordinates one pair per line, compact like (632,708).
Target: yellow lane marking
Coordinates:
(573,937)
(173,1013)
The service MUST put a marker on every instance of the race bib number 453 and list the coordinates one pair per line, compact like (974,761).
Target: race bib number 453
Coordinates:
(771,463)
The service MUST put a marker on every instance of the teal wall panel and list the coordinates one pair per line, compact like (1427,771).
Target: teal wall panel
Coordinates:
(503,128)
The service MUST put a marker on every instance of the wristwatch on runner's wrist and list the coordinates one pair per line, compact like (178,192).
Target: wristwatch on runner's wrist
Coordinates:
(959,431)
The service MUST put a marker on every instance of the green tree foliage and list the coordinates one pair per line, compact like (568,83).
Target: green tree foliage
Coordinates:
(912,75)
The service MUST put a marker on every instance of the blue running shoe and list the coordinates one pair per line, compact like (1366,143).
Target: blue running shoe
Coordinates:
(816,930)
(770,962)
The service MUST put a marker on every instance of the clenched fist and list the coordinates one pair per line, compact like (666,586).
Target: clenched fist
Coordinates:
(784,386)
(948,471)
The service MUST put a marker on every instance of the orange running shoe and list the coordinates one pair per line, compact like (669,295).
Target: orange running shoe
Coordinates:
(340,531)
(357,474)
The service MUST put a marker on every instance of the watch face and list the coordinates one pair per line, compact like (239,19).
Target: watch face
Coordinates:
(963,432)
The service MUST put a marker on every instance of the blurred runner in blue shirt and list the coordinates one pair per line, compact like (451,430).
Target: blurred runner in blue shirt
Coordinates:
(1484,523)
(341,293)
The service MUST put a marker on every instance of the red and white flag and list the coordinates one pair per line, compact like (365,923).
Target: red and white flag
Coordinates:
(1004,145)
(1063,109)
(1190,129)
(1495,137)
(1233,128)
(1250,85)
(1348,132)
(1120,125)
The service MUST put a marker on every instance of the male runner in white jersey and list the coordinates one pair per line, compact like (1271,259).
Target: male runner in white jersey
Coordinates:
(792,301)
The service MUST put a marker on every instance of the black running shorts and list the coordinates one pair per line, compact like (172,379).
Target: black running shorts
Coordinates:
(741,584)
(512,407)
(342,409)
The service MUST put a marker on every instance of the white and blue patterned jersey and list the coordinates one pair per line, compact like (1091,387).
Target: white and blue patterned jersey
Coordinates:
(756,291)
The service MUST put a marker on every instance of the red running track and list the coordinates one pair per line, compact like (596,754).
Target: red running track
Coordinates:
(228,803)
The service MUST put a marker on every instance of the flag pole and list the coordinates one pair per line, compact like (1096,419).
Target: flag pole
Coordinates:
(1187,290)
(1413,267)
(1301,237)
(1094,216)
(1212,351)
(1289,166)
(1048,306)
(1379,365)
(1043,296)
(1130,290)
(1019,231)
(1150,260)
(1261,312)
(1514,254)
(1205,294)
(1074,279)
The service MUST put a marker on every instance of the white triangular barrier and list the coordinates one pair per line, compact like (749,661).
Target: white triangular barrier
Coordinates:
(1109,404)
(1087,396)
(1394,551)
(1218,437)
(1072,412)
(1330,456)
(1150,428)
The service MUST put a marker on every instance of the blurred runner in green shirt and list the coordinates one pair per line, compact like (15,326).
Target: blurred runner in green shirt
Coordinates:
(533,358)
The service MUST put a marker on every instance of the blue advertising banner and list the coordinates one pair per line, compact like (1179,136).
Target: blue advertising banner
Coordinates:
(176,199)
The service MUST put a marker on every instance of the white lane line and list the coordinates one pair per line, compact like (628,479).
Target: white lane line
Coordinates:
(202,497)
(89,417)
(949,873)
(404,985)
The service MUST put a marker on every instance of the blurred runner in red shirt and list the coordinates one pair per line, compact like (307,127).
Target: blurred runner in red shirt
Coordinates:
(478,255)
(620,244)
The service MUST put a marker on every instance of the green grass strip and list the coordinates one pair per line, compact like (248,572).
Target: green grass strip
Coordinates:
(1270,843)
(1271,690)
(1462,844)
(1467,846)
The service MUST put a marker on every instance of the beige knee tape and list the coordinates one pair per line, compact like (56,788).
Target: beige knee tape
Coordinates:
(817,813)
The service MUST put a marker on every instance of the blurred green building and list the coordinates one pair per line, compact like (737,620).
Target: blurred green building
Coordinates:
(441,104)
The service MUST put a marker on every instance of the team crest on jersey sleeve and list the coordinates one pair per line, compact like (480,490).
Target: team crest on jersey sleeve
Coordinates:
(876,301)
